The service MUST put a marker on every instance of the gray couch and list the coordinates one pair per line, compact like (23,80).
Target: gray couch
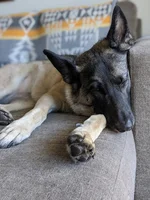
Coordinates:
(40,168)
(140,72)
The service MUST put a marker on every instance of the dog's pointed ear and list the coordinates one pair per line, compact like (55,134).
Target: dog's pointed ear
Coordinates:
(66,68)
(119,36)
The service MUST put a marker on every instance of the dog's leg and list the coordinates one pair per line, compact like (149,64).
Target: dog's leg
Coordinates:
(18,105)
(22,128)
(5,115)
(81,145)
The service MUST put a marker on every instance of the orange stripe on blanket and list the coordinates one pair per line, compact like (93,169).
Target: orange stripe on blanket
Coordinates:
(57,27)
(18,33)
(73,25)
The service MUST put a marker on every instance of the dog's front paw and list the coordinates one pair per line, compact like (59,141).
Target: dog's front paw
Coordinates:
(80,148)
(13,134)
(5,117)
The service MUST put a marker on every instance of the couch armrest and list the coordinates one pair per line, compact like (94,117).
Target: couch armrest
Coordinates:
(140,75)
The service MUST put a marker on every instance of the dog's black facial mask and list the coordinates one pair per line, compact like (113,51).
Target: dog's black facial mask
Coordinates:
(102,75)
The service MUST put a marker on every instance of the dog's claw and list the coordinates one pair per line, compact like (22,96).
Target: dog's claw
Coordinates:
(5,117)
(80,149)
(93,156)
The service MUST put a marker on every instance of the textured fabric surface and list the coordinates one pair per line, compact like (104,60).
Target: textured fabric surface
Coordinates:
(130,11)
(40,167)
(64,31)
(140,72)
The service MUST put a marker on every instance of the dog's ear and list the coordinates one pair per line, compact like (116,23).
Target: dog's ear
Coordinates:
(119,35)
(67,69)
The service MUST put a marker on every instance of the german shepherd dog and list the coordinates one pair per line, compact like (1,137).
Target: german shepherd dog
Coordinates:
(94,84)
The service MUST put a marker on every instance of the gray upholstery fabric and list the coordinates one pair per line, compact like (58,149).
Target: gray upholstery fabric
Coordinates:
(130,11)
(140,71)
(40,168)
(139,28)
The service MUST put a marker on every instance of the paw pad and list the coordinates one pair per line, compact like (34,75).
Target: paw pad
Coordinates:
(80,149)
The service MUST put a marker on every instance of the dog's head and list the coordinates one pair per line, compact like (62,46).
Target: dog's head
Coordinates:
(100,75)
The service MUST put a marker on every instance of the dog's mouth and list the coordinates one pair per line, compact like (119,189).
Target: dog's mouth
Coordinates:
(119,129)
(122,124)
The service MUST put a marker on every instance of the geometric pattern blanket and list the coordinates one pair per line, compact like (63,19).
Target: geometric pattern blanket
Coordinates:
(65,31)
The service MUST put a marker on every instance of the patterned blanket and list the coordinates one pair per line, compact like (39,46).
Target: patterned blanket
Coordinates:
(64,31)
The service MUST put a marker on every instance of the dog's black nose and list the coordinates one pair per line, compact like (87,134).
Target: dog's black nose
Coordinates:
(126,126)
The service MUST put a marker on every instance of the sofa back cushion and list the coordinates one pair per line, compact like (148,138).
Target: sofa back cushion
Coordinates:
(130,11)
(64,31)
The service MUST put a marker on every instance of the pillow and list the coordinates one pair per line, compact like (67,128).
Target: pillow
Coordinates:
(64,31)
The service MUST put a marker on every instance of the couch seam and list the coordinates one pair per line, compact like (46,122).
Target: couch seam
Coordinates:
(119,167)
(132,61)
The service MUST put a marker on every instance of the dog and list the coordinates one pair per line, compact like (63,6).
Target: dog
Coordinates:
(95,84)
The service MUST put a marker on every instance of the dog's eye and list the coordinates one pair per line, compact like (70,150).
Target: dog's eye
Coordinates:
(101,90)
(120,80)
(97,87)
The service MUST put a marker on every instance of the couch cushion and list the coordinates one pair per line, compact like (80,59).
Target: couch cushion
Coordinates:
(65,31)
(40,167)
(140,72)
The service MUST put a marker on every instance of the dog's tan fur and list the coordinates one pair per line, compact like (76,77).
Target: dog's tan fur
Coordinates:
(40,87)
